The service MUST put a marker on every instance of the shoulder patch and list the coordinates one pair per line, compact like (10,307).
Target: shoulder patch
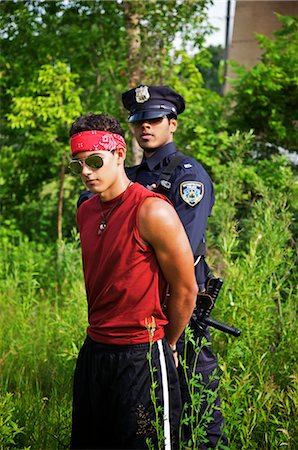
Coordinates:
(187,165)
(192,192)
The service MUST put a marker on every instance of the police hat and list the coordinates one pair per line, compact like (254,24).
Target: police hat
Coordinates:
(150,102)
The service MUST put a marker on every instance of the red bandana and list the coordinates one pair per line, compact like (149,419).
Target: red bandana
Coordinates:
(95,140)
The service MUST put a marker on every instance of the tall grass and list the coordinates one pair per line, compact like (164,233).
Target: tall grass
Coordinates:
(259,370)
(42,325)
(43,322)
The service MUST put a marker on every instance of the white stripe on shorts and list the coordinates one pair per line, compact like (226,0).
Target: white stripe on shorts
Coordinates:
(165,390)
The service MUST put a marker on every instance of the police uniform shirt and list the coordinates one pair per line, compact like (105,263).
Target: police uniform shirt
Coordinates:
(191,192)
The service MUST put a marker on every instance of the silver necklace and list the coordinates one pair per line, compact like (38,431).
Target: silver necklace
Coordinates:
(104,217)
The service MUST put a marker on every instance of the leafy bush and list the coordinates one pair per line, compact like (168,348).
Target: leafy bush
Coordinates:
(252,232)
(42,324)
(9,428)
(264,98)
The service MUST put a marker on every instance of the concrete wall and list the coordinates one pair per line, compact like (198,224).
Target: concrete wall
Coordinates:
(255,17)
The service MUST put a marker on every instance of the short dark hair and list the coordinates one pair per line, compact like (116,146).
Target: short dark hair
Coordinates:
(100,122)
(171,116)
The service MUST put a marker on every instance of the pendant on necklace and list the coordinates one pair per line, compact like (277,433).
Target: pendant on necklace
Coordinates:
(102,227)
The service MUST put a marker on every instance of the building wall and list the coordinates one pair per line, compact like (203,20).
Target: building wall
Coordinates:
(255,17)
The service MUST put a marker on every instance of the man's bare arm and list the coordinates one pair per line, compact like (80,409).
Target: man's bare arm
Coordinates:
(160,226)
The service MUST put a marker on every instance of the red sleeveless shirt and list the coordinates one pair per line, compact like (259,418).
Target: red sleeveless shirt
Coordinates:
(124,283)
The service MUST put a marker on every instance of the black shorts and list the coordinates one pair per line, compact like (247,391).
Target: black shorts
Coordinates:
(112,405)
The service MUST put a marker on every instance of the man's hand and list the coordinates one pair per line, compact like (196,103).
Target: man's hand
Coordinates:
(175,354)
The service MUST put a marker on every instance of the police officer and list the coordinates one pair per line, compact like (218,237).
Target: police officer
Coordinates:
(153,112)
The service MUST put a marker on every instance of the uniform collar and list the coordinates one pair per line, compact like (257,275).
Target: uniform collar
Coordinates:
(160,154)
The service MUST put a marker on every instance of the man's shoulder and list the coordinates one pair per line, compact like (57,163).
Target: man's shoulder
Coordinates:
(156,209)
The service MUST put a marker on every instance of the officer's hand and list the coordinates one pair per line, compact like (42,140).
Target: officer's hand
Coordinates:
(151,187)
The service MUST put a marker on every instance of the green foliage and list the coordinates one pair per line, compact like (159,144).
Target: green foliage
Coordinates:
(41,112)
(241,181)
(59,59)
(265,97)
(252,230)
(48,101)
(9,429)
(162,23)
(197,413)
(202,398)
(38,345)
(201,128)
(92,38)
(210,67)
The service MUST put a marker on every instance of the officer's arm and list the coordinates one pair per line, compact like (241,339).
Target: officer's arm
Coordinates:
(160,226)
(194,218)
(83,197)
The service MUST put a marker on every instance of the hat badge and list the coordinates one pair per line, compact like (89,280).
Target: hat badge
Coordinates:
(142,94)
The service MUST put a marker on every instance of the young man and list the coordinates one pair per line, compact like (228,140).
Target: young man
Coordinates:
(140,289)
(153,114)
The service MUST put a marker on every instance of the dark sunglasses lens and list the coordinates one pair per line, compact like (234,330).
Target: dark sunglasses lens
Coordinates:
(94,161)
(75,167)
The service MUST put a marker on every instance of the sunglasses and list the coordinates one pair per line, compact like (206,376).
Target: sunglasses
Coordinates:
(92,161)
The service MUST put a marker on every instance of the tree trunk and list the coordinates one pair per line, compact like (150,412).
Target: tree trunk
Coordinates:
(137,151)
(132,19)
(60,202)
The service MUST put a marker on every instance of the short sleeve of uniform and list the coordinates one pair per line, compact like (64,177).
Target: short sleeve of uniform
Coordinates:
(192,195)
